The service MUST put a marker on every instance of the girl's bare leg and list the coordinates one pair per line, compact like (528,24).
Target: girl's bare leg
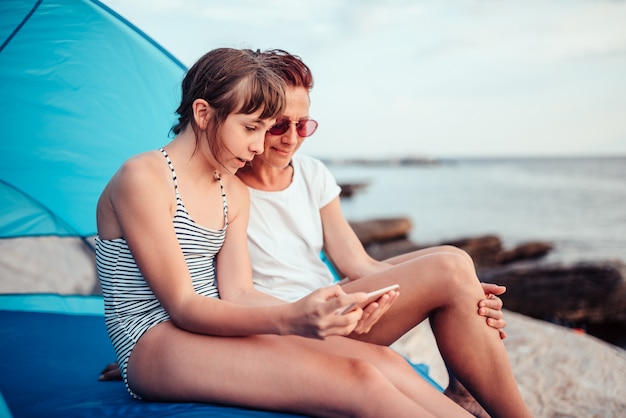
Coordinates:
(395,368)
(443,285)
(267,372)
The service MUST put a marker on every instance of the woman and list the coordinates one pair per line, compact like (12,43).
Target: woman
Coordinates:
(294,197)
(173,219)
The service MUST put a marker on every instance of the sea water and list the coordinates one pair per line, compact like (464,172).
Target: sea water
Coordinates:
(576,204)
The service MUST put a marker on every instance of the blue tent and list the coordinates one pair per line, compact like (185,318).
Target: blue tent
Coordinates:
(82,90)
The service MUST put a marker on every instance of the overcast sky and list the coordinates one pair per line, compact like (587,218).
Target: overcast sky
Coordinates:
(452,78)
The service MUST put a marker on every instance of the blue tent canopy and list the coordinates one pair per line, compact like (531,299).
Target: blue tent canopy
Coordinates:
(82,90)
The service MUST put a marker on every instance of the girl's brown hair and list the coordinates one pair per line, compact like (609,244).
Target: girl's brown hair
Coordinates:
(231,81)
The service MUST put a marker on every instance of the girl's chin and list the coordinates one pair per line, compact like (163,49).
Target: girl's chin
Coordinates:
(237,164)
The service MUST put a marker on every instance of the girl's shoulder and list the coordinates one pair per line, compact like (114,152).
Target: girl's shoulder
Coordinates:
(148,163)
(147,169)
(234,185)
(237,194)
(149,160)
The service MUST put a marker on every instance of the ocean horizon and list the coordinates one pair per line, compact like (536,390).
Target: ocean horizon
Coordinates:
(577,204)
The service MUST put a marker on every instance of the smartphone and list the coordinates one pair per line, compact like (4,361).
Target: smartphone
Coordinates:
(371,297)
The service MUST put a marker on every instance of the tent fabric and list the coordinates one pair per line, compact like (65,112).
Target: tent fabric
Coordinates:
(82,90)
(53,348)
(50,368)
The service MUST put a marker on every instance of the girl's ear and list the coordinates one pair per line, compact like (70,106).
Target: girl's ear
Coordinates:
(202,112)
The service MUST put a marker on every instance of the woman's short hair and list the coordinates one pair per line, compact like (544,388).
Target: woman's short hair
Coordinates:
(291,68)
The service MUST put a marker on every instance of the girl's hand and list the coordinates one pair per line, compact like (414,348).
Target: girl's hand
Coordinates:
(318,315)
(374,311)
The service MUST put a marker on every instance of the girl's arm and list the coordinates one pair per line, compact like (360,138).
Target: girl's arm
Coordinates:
(233,260)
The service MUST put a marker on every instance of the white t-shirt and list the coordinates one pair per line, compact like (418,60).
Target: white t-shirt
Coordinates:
(285,234)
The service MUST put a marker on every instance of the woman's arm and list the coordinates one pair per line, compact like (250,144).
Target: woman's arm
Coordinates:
(346,251)
(343,246)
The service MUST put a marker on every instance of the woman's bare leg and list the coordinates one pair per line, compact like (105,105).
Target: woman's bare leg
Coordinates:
(455,390)
(449,249)
(396,322)
(443,286)
(267,372)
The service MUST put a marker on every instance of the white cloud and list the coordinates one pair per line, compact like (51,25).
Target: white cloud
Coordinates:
(461,77)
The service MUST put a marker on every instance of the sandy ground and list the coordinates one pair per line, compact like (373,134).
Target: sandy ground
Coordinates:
(560,373)
(47,265)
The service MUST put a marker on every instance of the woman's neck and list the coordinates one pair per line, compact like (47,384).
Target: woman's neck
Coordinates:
(261,176)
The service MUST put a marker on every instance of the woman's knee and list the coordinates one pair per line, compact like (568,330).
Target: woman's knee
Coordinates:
(454,271)
(451,249)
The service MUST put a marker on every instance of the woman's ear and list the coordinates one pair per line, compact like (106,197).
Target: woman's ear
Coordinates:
(202,112)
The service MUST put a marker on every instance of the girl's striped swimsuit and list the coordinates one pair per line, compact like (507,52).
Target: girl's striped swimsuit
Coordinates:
(130,307)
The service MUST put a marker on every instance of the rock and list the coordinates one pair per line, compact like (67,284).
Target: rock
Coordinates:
(385,238)
(487,251)
(383,251)
(484,250)
(382,230)
(563,373)
(589,292)
(348,189)
(560,373)
(526,251)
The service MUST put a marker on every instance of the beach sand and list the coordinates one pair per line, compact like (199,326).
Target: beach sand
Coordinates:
(561,373)
(63,265)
